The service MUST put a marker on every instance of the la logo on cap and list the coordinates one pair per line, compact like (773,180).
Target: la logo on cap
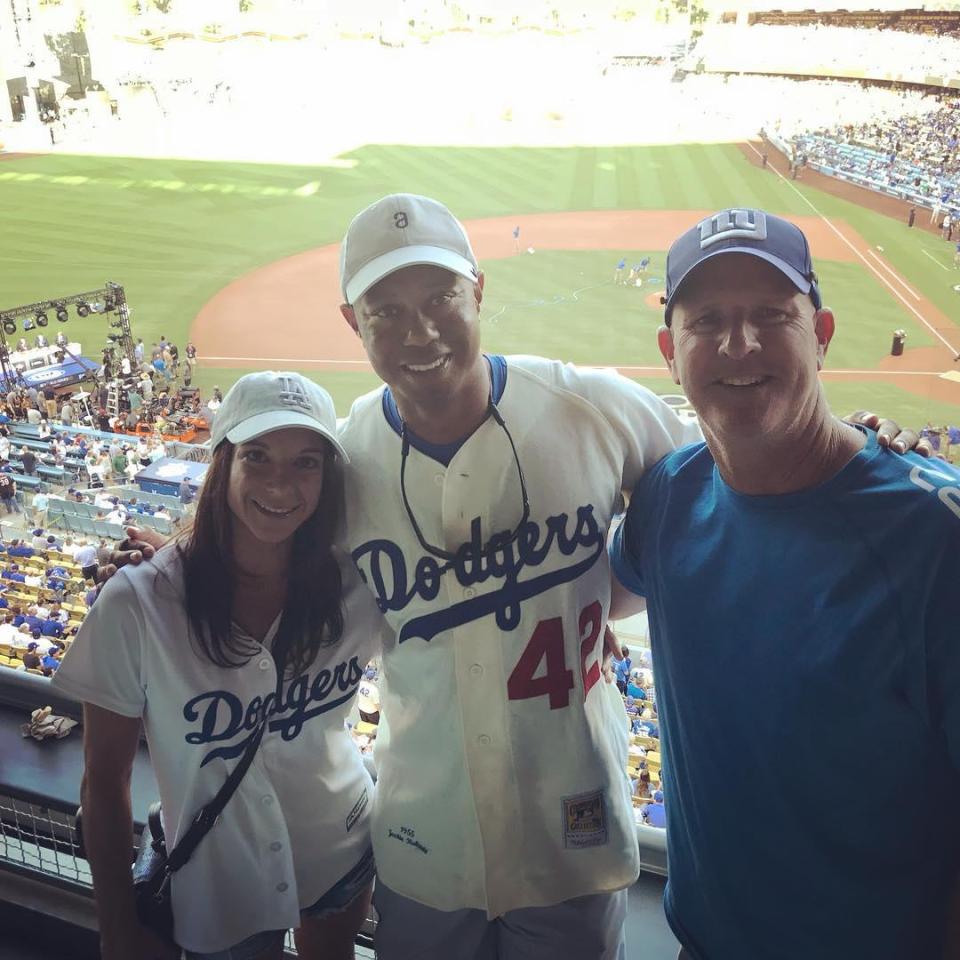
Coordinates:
(731,224)
(292,394)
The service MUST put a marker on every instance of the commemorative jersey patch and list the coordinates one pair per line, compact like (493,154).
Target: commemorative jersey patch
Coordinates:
(584,820)
(354,815)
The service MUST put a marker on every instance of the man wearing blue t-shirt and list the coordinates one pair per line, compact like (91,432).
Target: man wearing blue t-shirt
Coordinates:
(621,670)
(792,553)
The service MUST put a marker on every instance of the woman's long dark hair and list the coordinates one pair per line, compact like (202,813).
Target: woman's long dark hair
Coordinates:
(312,612)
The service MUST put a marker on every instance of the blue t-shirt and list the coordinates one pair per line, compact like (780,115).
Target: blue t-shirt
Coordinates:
(656,814)
(623,669)
(51,628)
(832,612)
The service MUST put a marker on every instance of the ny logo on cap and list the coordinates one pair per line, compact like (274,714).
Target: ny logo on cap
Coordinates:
(292,394)
(730,224)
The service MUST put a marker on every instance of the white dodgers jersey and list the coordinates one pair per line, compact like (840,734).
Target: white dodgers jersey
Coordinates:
(502,754)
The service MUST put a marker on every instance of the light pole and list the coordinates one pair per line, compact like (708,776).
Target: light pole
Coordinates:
(78,59)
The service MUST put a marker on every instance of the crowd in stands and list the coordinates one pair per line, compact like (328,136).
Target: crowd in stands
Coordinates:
(821,50)
(913,156)
(45,589)
(633,673)
(939,23)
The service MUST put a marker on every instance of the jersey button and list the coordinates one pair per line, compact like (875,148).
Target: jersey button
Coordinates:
(469,592)
(438,479)
(265,663)
(276,845)
(282,887)
(484,739)
(476,669)
(266,800)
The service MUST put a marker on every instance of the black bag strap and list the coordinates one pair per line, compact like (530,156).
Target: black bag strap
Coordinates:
(210,813)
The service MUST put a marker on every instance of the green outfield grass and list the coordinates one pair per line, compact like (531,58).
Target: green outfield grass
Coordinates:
(175,232)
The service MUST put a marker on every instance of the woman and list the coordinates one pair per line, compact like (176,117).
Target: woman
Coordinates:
(250,612)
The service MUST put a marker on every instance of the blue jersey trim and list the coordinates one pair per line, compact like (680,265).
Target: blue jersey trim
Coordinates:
(445,452)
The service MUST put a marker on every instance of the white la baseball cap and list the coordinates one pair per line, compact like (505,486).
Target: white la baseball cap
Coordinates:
(399,231)
(270,400)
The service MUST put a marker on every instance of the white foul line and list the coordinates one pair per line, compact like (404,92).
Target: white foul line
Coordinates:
(866,262)
(896,276)
(933,258)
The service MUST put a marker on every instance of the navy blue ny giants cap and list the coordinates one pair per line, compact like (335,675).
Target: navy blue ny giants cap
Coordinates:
(741,230)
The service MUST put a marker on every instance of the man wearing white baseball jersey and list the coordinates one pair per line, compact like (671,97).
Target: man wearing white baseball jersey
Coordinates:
(480,496)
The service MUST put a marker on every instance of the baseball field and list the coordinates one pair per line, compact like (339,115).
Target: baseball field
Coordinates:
(242,258)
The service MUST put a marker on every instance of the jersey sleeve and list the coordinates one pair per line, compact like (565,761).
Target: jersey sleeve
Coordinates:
(646,427)
(626,544)
(103,664)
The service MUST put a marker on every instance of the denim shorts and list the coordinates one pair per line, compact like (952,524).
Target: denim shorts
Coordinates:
(335,900)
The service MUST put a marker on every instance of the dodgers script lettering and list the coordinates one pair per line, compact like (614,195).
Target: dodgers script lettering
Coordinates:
(223,715)
(384,568)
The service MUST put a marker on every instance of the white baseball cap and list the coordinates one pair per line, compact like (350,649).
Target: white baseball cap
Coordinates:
(399,231)
(262,402)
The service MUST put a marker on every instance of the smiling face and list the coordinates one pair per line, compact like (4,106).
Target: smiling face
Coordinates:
(746,347)
(274,486)
(420,327)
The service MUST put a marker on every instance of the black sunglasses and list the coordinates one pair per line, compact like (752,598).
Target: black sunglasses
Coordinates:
(497,540)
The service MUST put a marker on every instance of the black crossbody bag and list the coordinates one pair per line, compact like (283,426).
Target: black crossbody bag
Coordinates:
(154,865)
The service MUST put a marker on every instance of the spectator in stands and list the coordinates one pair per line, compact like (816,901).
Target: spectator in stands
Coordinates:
(51,661)
(118,463)
(653,814)
(138,350)
(17,548)
(50,402)
(633,687)
(849,645)
(143,452)
(39,506)
(10,634)
(86,557)
(8,493)
(38,539)
(32,414)
(185,492)
(31,659)
(271,501)
(117,514)
(66,412)
(622,670)
(51,628)
(53,542)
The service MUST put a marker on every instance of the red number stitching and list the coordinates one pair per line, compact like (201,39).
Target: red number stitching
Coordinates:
(591,619)
(547,641)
